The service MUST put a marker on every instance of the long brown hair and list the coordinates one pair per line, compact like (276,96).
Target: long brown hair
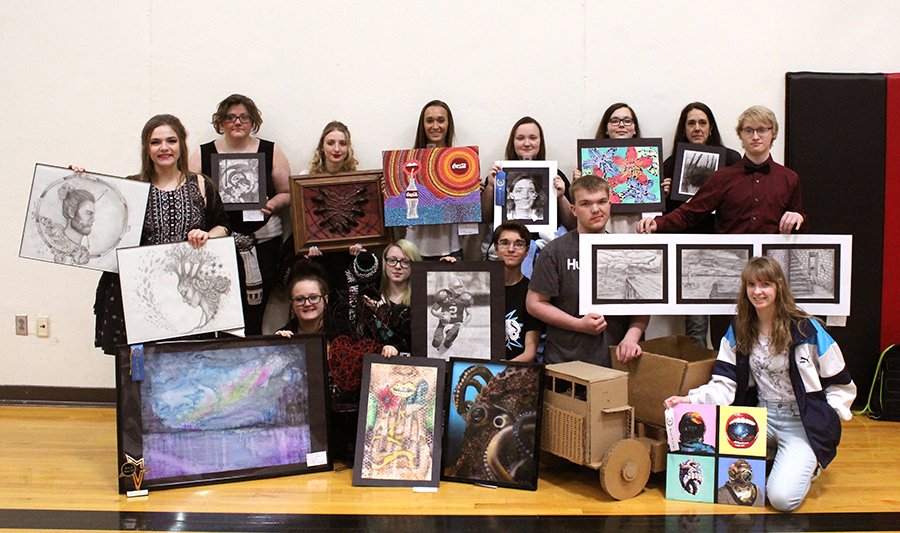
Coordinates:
(511,154)
(786,311)
(172,121)
(422,137)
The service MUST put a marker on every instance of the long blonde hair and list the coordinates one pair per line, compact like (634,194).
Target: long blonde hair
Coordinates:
(409,250)
(317,164)
(786,311)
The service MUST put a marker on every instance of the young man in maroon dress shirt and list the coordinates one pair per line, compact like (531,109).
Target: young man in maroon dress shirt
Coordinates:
(755,195)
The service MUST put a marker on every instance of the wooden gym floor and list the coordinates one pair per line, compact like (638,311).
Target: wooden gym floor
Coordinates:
(58,472)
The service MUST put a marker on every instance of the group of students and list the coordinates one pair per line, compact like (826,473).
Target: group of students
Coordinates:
(773,354)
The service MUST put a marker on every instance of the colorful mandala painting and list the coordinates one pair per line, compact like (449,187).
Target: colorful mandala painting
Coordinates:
(633,171)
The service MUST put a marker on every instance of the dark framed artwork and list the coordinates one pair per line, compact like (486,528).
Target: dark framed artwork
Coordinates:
(462,308)
(201,412)
(813,271)
(633,168)
(493,423)
(241,180)
(629,274)
(398,441)
(82,218)
(710,273)
(694,164)
(524,191)
(335,211)
(431,186)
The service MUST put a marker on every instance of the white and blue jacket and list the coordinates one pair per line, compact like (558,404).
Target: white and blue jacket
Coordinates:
(821,383)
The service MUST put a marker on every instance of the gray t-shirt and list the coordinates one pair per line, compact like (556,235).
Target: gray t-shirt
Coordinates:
(556,275)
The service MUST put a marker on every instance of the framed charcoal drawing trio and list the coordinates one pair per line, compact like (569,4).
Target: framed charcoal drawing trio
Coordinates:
(682,274)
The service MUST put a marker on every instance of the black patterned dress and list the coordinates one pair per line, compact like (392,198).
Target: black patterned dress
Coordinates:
(170,216)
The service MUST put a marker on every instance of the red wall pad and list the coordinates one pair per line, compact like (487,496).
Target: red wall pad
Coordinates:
(890,296)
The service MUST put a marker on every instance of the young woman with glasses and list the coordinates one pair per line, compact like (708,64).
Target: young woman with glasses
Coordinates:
(258,239)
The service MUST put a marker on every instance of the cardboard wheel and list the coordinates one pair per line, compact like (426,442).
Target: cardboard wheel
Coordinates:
(625,469)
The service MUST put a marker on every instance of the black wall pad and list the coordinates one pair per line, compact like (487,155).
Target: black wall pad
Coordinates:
(835,140)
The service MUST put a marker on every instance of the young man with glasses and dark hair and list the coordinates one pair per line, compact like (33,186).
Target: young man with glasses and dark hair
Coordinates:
(523,332)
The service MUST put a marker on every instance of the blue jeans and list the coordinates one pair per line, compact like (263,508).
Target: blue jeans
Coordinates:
(795,461)
(697,327)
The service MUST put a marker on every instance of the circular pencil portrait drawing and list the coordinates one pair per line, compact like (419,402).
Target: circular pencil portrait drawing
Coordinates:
(239,181)
(80,218)
(526,197)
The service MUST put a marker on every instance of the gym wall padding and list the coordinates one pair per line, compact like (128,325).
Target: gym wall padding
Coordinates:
(890,303)
(835,140)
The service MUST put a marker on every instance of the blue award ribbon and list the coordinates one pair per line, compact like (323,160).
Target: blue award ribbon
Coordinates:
(500,189)
(137,362)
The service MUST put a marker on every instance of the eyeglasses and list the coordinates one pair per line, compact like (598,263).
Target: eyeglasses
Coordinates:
(245,118)
(615,121)
(760,131)
(393,261)
(518,245)
(300,301)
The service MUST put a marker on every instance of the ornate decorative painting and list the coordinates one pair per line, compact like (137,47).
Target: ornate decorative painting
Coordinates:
(173,290)
(432,186)
(493,423)
(463,309)
(524,191)
(694,164)
(633,168)
(241,180)
(81,218)
(338,210)
(200,412)
(398,442)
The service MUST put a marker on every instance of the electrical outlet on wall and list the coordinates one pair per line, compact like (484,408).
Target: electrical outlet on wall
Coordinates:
(43,326)
(21,324)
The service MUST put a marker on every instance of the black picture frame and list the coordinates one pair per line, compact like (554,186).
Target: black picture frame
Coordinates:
(703,269)
(541,174)
(694,164)
(197,406)
(813,271)
(504,452)
(483,281)
(241,180)
(635,282)
(398,438)
(596,156)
